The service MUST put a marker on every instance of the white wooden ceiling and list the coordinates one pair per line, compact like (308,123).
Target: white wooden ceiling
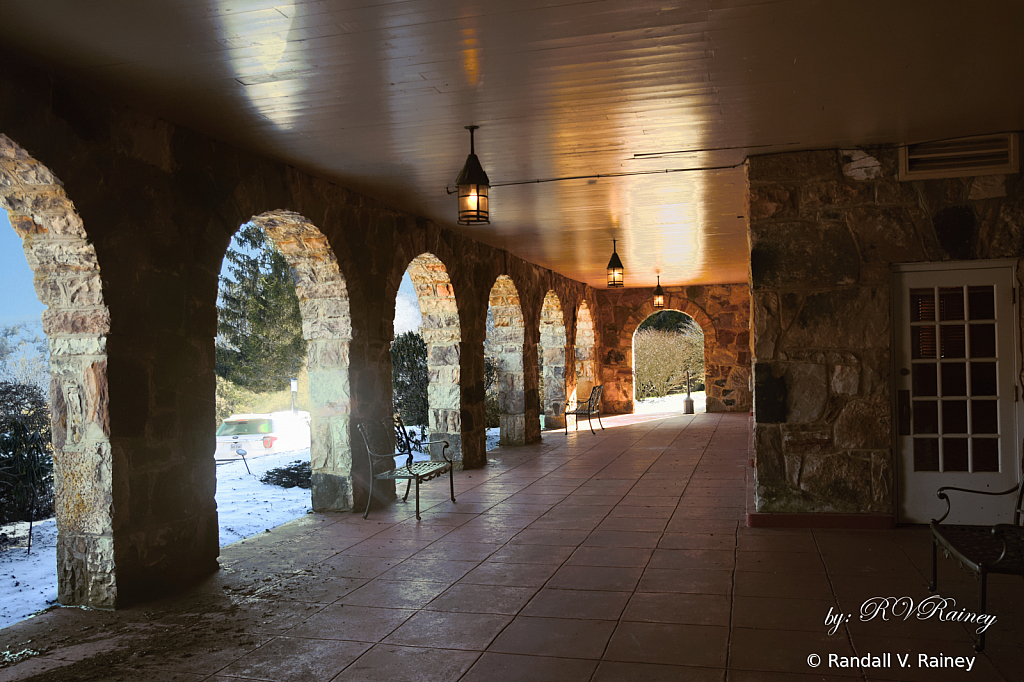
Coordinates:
(614,106)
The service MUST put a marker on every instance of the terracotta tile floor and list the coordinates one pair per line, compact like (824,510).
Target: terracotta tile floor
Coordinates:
(620,556)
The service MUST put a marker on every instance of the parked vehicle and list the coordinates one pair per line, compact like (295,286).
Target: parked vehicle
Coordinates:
(263,434)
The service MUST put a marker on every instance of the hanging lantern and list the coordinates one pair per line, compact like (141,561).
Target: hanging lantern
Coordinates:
(473,185)
(614,268)
(659,295)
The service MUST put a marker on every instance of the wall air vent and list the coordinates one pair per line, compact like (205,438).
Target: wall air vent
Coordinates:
(966,156)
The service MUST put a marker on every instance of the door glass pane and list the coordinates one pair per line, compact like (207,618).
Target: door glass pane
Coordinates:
(951,303)
(922,305)
(926,454)
(983,340)
(981,303)
(986,454)
(954,416)
(924,380)
(954,454)
(953,345)
(984,416)
(983,378)
(926,416)
(954,379)
(923,342)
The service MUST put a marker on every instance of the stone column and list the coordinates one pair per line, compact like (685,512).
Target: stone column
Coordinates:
(442,334)
(506,342)
(553,351)
(76,322)
(327,327)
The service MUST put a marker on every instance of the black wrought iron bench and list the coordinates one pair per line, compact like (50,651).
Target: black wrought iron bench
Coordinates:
(980,549)
(389,439)
(587,409)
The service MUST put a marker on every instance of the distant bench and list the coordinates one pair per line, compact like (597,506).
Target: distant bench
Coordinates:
(389,439)
(587,409)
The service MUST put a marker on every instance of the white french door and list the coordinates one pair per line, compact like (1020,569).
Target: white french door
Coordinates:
(956,363)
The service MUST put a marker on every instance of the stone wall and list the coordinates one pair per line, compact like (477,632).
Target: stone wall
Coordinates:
(126,219)
(722,311)
(825,226)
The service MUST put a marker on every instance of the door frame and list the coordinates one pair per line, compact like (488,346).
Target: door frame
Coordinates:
(895,270)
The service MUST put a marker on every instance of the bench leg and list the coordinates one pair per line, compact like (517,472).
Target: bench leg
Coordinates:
(417,497)
(599,420)
(451,480)
(980,645)
(369,497)
(935,565)
(590,423)
(408,482)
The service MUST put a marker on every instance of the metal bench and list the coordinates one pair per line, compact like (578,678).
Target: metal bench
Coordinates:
(980,549)
(389,439)
(587,409)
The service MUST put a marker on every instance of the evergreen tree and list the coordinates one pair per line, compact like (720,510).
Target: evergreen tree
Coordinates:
(259,326)
(409,377)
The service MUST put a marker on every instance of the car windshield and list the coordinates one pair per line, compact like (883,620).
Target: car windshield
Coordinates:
(244,427)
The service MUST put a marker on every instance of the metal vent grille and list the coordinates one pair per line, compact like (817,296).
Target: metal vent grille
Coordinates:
(966,156)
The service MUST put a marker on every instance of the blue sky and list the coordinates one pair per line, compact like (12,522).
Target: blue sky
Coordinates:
(19,303)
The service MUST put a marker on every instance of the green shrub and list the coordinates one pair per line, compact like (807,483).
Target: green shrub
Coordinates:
(297,474)
(26,459)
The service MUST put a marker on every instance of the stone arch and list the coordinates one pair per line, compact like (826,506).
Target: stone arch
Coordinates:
(632,344)
(586,352)
(507,339)
(442,334)
(327,327)
(76,323)
(552,350)
(677,302)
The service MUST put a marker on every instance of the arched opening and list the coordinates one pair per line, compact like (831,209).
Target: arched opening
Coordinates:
(441,332)
(504,345)
(666,346)
(552,362)
(76,323)
(586,352)
(327,329)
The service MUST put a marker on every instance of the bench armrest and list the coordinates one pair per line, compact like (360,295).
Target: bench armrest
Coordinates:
(446,444)
(941,494)
(999,532)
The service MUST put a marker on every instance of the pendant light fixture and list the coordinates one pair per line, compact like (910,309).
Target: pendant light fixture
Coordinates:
(659,295)
(614,268)
(472,187)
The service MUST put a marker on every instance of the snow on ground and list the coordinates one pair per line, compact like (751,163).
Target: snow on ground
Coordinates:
(246,507)
(28,582)
(670,403)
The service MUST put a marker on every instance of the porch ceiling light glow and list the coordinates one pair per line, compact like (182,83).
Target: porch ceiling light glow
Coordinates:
(473,185)
(614,268)
(659,295)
